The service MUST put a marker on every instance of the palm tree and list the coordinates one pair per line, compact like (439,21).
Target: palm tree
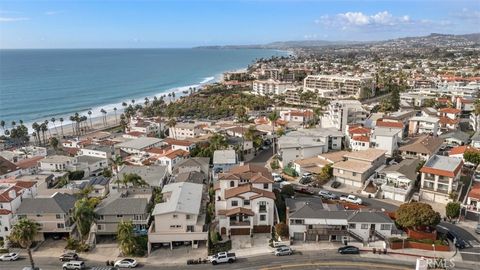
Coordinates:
(125,236)
(2,124)
(171,124)
(104,116)
(318,114)
(116,161)
(44,128)
(46,124)
(133,101)
(147,101)
(115,110)
(134,179)
(13,124)
(242,117)
(84,215)
(53,122)
(36,127)
(90,116)
(23,233)
(72,119)
(61,124)
(273,117)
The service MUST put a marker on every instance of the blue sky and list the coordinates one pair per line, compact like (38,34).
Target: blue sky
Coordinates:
(182,23)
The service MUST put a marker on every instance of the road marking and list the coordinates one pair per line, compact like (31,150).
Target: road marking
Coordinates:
(384,266)
(472,253)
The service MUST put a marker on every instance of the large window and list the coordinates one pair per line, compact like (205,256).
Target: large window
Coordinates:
(263,217)
(364,226)
(246,202)
(385,227)
(234,203)
(60,225)
(262,207)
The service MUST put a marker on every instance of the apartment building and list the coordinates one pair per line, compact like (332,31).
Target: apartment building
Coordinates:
(139,145)
(54,214)
(182,131)
(423,125)
(181,215)
(244,201)
(332,86)
(269,87)
(346,112)
(422,147)
(58,163)
(358,166)
(440,177)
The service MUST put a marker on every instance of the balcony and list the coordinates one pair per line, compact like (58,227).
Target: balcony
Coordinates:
(244,223)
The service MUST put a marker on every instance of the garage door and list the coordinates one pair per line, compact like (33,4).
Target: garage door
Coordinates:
(298,236)
(240,231)
(262,229)
(311,237)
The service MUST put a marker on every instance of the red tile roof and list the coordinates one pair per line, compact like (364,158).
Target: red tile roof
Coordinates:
(474,191)
(450,110)
(29,163)
(359,130)
(4,212)
(177,142)
(5,197)
(361,138)
(448,121)
(382,123)
(460,150)
(446,173)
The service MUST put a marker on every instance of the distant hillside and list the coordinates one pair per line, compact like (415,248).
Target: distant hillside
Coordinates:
(432,39)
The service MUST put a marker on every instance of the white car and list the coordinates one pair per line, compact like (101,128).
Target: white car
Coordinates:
(126,263)
(277,177)
(9,257)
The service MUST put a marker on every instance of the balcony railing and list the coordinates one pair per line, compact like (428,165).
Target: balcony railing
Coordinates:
(240,223)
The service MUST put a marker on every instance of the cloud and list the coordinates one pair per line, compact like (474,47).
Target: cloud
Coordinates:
(52,12)
(467,14)
(13,19)
(354,19)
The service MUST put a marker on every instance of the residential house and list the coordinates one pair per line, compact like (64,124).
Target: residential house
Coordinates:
(387,139)
(54,214)
(456,137)
(138,146)
(154,175)
(449,118)
(8,169)
(244,201)
(93,166)
(98,151)
(314,165)
(422,147)
(440,178)
(423,125)
(29,165)
(128,205)
(99,185)
(397,181)
(58,163)
(457,152)
(184,145)
(472,205)
(297,116)
(194,164)
(358,137)
(181,215)
(168,156)
(358,166)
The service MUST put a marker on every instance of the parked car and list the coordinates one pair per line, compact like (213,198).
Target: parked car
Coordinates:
(335,184)
(30,268)
(477,229)
(73,265)
(457,241)
(351,199)
(126,263)
(284,183)
(69,256)
(9,257)
(277,177)
(328,195)
(283,250)
(306,175)
(223,257)
(304,190)
(305,180)
(349,250)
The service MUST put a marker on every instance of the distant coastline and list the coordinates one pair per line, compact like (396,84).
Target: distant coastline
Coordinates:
(196,68)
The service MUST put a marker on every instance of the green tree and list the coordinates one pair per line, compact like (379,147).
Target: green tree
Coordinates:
(126,238)
(107,173)
(23,233)
(84,215)
(133,179)
(411,215)
(171,125)
(472,156)
(116,162)
(288,190)
(54,143)
(395,98)
(326,172)
(452,210)
(273,117)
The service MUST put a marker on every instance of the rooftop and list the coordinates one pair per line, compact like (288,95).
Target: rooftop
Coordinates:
(441,165)
(425,144)
(366,155)
(153,175)
(183,197)
(140,143)
(224,157)
(58,203)
(352,165)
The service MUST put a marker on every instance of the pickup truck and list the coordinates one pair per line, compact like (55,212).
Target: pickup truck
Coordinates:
(351,199)
(223,257)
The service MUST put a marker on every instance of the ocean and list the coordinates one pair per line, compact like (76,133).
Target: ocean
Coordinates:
(36,85)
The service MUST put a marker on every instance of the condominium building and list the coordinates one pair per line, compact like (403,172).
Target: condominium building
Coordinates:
(346,112)
(269,87)
(330,86)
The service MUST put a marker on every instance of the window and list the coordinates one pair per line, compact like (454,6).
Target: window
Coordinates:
(187,216)
(352,225)
(265,186)
(262,207)
(119,216)
(190,228)
(175,226)
(175,216)
(99,227)
(263,217)
(246,202)
(364,226)
(234,203)
(100,217)
(60,225)
(58,216)
(38,215)
(385,227)
(354,173)
(232,183)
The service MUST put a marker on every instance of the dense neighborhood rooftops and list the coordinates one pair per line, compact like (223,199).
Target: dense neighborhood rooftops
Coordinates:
(450,110)
(181,197)
(118,204)
(441,165)
(7,166)
(89,159)
(58,203)
(352,165)
(192,177)
(369,217)
(407,167)
(57,159)
(334,156)
(153,174)
(457,135)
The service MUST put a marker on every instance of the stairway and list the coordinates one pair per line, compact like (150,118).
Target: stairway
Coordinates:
(356,236)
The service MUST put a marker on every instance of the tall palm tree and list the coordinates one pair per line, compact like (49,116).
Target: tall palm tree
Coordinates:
(273,117)
(36,127)
(23,233)
(53,122)
(13,124)
(104,116)
(242,117)
(90,116)
(318,114)
(84,215)
(46,124)
(61,124)
(44,128)
(171,124)
(134,179)
(72,119)
(2,124)
(116,162)
(115,111)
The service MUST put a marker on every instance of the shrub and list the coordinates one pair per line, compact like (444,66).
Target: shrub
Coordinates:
(282,229)
(288,190)
(274,164)
(76,175)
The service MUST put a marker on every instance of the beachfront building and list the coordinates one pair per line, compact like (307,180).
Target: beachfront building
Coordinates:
(269,87)
(440,177)
(346,112)
(333,87)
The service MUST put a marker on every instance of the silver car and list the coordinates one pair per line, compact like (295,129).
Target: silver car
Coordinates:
(327,195)
(283,250)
